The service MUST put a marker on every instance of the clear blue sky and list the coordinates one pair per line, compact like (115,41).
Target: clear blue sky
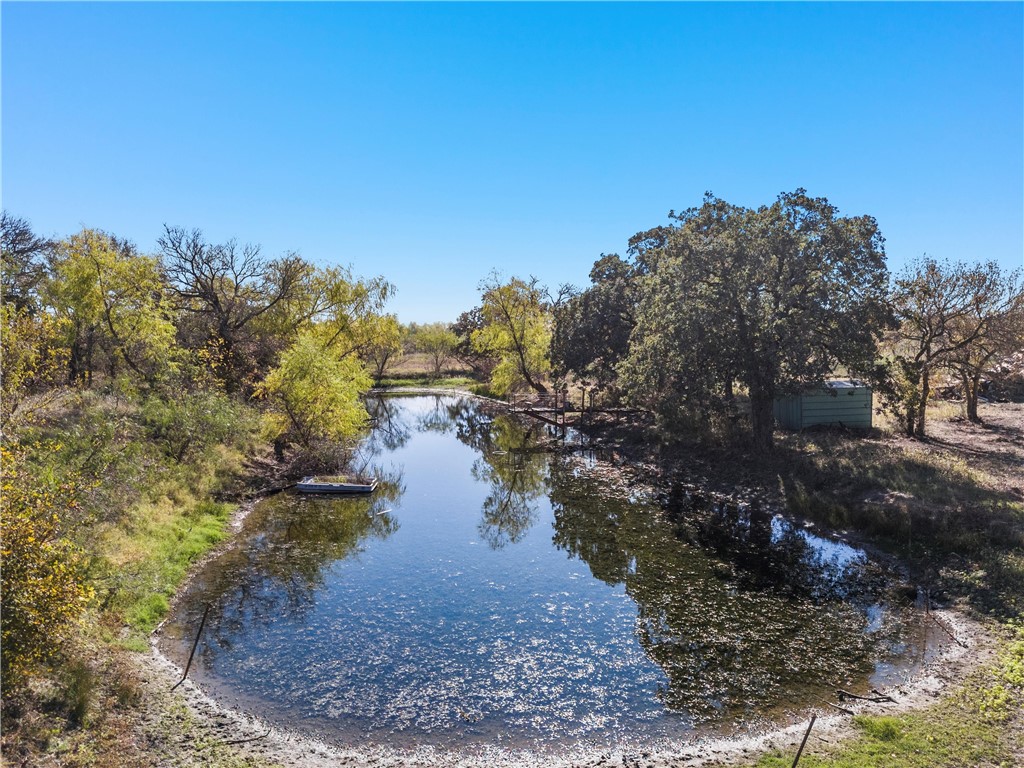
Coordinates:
(432,143)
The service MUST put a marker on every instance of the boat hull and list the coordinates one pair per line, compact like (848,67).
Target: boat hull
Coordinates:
(308,485)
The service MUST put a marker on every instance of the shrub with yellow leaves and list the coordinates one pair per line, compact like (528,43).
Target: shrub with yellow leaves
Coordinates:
(42,590)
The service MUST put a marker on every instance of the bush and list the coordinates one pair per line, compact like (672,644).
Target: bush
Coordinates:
(186,424)
(43,591)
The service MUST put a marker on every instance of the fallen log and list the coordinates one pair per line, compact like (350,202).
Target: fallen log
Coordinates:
(878,698)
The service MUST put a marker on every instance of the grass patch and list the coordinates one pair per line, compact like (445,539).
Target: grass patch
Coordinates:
(426,380)
(973,727)
(150,555)
(936,739)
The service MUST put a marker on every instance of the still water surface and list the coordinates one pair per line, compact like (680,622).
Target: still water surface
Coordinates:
(492,592)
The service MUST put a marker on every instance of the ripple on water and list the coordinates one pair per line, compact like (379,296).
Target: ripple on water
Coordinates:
(491,593)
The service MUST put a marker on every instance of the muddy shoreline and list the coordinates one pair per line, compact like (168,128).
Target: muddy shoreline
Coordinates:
(253,739)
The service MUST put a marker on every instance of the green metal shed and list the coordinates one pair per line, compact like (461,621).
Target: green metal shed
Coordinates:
(845,403)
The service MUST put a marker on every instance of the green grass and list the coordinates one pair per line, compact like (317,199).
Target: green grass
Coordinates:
(426,380)
(973,727)
(932,740)
(155,551)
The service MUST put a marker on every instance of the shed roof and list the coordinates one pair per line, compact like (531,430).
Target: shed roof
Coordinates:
(845,383)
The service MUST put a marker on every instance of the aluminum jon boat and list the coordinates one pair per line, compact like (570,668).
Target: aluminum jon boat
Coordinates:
(313,484)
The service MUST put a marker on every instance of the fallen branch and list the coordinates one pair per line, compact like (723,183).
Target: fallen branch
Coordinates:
(876,699)
(945,629)
(835,706)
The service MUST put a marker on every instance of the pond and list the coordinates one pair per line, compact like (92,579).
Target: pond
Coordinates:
(493,592)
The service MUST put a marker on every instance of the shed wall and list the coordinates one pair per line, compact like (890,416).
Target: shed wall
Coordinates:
(850,406)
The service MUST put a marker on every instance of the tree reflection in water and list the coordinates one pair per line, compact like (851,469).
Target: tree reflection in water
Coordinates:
(390,429)
(701,611)
(734,606)
(278,569)
(510,463)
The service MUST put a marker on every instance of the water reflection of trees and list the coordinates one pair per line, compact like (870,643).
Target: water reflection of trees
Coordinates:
(511,462)
(516,473)
(277,570)
(390,427)
(737,612)
(765,553)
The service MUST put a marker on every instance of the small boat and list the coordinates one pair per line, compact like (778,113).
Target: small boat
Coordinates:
(313,484)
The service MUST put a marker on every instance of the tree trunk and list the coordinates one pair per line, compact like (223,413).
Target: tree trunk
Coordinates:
(971,386)
(75,361)
(90,344)
(923,403)
(762,420)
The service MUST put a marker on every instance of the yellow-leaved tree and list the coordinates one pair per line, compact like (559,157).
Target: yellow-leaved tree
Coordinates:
(516,330)
(111,301)
(314,393)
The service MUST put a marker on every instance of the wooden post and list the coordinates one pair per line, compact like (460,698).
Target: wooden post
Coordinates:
(194,646)
(802,743)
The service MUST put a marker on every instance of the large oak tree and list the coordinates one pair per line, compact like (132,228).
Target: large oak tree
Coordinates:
(773,298)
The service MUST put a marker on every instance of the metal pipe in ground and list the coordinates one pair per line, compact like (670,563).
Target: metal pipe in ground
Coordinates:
(804,742)
(195,645)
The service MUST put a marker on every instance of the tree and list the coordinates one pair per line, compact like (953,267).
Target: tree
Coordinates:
(111,298)
(773,298)
(437,342)
(517,331)
(949,315)
(592,328)
(386,349)
(33,359)
(993,326)
(482,362)
(226,288)
(314,393)
(22,265)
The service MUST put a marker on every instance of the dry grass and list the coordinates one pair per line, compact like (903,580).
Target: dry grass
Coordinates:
(419,364)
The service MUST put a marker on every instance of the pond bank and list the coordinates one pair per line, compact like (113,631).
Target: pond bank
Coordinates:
(195,728)
(207,724)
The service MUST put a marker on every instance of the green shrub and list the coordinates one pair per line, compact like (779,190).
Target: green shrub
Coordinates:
(185,425)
